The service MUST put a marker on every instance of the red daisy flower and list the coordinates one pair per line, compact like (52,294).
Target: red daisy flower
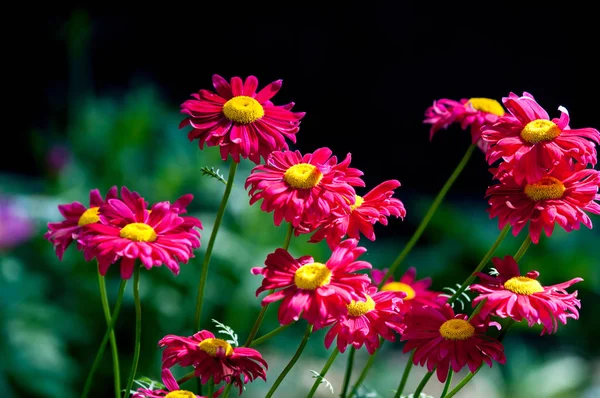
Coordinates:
(303,188)
(442,339)
(535,143)
(417,291)
(313,290)
(561,196)
(510,295)
(376,314)
(76,215)
(158,393)
(128,231)
(239,120)
(473,112)
(211,358)
(367,210)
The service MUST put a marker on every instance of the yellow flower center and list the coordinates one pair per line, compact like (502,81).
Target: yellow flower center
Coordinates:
(138,232)
(89,216)
(312,276)
(358,308)
(243,109)
(523,285)
(457,329)
(211,346)
(180,394)
(540,130)
(358,201)
(546,188)
(400,287)
(302,176)
(487,105)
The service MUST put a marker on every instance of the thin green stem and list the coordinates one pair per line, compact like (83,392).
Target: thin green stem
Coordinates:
(292,362)
(211,243)
(448,383)
(113,340)
(432,209)
(185,378)
(462,383)
(211,387)
(267,336)
(505,329)
(98,358)
(477,309)
(263,310)
(348,371)
(318,380)
(138,329)
(482,264)
(422,384)
(363,374)
(226,391)
(524,246)
(407,369)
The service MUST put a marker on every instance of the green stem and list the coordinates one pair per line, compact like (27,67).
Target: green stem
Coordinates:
(211,243)
(482,264)
(113,320)
(226,391)
(138,329)
(185,378)
(363,374)
(263,310)
(505,329)
(267,336)
(477,309)
(422,384)
(407,369)
(348,371)
(462,383)
(292,362)
(211,387)
(318,381)
(432,209)
(448,383)
(524,246)
(113,341)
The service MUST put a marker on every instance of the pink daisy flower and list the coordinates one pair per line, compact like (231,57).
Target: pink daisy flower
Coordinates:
(417,291)
(510,295)
(129,232)
(533,142)
(376,206)
(313,290)
(211,358)
(443,340)
(473,112)
(561,197)
(239,120)
(303,188)
(76,215)
(157,393)
(374,315)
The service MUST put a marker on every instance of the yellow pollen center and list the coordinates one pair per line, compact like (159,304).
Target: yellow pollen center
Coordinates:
(523,285)
(487,105)
(358,201)
(457,329)
(211,346)
(358,308)
(400,287)
(180,394)
(546,188)
(243,109)
(138,232)
(540,130)
(302,176)
(312,276)
(89,216)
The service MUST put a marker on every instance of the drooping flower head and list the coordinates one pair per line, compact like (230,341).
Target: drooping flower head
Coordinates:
(511,295)
(313,290)
(534,143)
(76,215)
(376,206)
(375,315)
(211,358)
(15,226)
(473,112)
(128,231)
(303,188)
(561,196)
(442,340)
(242,122)
(417,291)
